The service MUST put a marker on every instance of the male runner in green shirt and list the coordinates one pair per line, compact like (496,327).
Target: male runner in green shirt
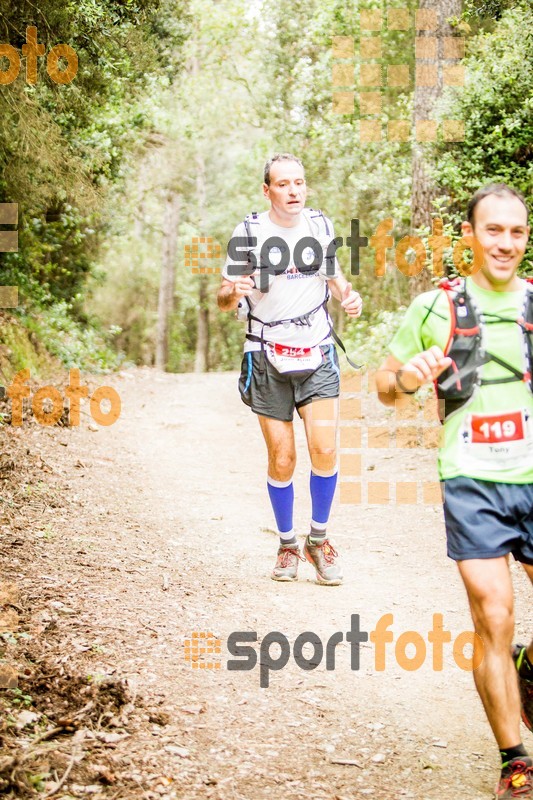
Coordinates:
(486,454)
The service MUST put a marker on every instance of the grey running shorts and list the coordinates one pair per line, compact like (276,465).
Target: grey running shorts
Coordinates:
(487,520)
(276,395)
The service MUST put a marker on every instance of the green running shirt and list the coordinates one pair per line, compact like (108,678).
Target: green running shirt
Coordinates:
(491,437)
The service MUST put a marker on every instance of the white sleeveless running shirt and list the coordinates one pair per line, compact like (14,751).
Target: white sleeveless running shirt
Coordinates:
(292,293)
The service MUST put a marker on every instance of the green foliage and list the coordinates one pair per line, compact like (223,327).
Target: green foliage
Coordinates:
(73,343)
(190,97)
(19,350)
(54,257)
(367,340)
(18,698)
(28,341)
(488,12)
(63,147)
(497,107)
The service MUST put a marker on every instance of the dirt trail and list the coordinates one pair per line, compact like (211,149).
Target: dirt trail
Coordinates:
(168,531)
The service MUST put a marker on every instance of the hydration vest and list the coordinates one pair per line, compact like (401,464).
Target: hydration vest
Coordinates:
(316,221)
(318,230)
(466,347)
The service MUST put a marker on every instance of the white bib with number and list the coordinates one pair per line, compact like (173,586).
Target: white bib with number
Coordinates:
(496,441)
(294,359)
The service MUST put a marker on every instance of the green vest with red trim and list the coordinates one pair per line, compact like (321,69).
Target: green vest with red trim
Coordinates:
(456,385)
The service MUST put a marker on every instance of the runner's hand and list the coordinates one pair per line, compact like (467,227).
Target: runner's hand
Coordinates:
(351,301)
(243,287)
(426,366)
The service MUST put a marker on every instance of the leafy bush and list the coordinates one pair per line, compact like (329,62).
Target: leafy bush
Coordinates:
(74,344)
(367,341)
(497,107)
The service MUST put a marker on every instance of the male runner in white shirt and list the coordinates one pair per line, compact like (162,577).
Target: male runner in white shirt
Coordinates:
(292,363)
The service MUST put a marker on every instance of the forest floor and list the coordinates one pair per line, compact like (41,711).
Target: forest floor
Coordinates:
(118,543)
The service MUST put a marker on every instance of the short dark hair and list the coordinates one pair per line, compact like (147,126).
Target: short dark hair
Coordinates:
(278,157)
(500,190)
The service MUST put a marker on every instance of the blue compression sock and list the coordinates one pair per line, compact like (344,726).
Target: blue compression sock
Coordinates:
(282,498)
(322,492)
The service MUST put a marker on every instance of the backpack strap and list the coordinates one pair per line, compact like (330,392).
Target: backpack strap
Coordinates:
(249,220)
(464,322)
(313,217)
(317,214)
(338,341)
(458,297)
(526,323)
(303,319)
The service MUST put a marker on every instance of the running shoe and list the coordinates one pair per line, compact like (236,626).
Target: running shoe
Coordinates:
(324,557)
(526,687)
(516,780)
(286,568)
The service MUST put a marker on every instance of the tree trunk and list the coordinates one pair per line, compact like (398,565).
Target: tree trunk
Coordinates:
(202,332)
(167,282)
(201,363)
(138,224)
(424,190)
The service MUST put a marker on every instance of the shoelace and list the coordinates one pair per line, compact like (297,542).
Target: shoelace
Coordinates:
(286,552)
(520,780)
(330,554)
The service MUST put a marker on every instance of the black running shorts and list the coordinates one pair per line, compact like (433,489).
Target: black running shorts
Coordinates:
(276,395)
(487,520)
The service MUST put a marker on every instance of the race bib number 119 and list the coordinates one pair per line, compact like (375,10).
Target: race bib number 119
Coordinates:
(497,428)
(496,441)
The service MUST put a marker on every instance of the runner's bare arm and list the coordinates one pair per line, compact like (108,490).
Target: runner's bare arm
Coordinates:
(394,379)
(350,299)
(230,292)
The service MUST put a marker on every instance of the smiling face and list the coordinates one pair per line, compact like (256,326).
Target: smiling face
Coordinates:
(500,226)
(287,192)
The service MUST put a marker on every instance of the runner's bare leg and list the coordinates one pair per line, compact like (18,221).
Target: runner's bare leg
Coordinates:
(321,419)
(529,572)
(279,438)
(490,594)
